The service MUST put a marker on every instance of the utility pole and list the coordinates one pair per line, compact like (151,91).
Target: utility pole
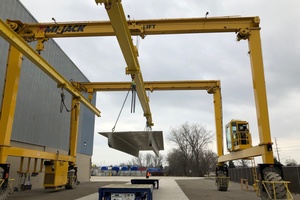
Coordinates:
(277,150)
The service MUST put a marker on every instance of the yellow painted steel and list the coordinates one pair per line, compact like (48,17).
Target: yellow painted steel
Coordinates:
(35,166)
(274,194)
(124,29)
(117,17)
(17,48)
(238,136)
(137,27)
(74,126)
(15,40)
(21,165)
(10,92)
(56,175)
(244,154)
(30,153)
(218,118)
(260,94)
(149,85)
(211,86)
(243,26)
(28,165)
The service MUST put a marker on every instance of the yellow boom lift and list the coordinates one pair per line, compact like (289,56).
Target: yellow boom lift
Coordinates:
(18,33)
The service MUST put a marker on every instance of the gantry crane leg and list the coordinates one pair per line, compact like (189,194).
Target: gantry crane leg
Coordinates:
(10,93)
(74,123)
(260,95)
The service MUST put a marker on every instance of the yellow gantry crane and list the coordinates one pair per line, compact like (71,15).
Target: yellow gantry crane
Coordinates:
(245,27)
(18,33)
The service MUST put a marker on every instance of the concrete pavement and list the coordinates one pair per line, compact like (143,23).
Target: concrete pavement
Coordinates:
(168,187)
(177,188)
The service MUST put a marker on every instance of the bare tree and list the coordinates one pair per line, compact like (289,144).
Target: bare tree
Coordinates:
(243,163)
(179,137)
(290,162)
(148,160)
(191,140)
(209,160)
(157,161)
(177,163)
(136,161)
(198,139)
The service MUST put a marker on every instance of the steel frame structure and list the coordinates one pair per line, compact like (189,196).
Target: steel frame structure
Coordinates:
(211,86)
(246,28)
(250,32)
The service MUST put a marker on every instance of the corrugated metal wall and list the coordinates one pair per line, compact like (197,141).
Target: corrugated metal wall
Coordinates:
(37,118)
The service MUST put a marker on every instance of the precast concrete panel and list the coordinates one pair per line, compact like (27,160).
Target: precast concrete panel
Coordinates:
(38,117)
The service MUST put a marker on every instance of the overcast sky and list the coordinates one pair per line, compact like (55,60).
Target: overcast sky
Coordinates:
(190,57)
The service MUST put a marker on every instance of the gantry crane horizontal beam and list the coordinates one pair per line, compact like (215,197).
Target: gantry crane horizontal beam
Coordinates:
(15,40)
(149,85)
(137,27)
(31,153)
(211,86)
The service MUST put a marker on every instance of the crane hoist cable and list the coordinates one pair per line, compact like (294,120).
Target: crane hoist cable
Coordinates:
(62,102)
(113,129)
(133,90)
(133,93)
(133,96)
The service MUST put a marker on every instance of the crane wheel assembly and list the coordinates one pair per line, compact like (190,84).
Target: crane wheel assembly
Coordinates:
(222,177)
(5,182)
(277,187)
(272,185)
(72,179)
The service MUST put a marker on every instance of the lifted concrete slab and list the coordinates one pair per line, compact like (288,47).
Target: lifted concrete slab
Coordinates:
(132,142)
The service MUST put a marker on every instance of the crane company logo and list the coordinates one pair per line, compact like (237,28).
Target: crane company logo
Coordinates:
(150,26)
(65,29)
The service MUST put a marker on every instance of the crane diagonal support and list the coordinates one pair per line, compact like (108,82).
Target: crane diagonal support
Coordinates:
(118,20)
(15,40)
